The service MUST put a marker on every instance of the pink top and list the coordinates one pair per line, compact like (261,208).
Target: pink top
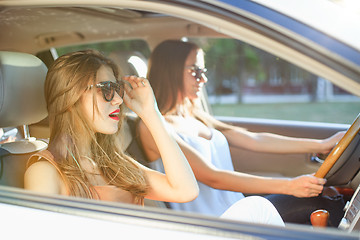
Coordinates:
(105,193)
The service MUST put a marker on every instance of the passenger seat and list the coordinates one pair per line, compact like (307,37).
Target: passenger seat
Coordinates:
(22,103)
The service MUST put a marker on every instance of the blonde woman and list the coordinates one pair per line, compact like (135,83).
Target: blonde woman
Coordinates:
(84,159)
(177,74)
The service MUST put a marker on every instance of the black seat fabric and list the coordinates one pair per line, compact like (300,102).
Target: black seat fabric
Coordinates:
(135,149)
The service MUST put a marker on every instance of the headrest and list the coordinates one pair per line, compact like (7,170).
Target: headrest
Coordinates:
(130,62)
(22,100)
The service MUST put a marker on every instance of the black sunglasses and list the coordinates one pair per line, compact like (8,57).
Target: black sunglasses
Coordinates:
(197,71)
(109,88)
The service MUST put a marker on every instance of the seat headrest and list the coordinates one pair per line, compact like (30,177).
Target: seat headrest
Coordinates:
(22,100)
(130,62)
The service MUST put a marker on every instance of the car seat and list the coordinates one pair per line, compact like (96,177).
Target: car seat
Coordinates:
(130,62)
(22,102)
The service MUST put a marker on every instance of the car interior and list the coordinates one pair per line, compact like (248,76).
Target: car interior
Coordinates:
(14,67)
(24,59)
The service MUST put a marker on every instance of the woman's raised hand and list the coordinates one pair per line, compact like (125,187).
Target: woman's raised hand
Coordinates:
(179,183)
(139,97)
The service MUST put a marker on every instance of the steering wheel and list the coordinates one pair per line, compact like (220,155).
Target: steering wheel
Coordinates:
(342,164)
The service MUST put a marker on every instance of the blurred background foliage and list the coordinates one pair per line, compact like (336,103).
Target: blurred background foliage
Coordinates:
(242,79)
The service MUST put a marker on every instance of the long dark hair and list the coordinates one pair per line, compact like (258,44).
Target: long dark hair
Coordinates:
(166,72)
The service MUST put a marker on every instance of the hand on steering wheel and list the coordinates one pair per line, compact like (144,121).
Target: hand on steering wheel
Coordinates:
(339,149)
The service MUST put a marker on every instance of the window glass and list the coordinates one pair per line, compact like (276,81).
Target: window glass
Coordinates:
(244,81)
(109,47)
(130,55)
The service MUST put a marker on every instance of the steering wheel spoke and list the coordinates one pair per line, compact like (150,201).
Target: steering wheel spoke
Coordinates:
(336,152)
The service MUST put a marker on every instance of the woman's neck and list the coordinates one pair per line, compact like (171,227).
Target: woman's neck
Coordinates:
(63,144)
(184,109)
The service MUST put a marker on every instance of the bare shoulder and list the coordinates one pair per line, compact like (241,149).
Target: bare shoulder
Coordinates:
(43,167)
(42,176)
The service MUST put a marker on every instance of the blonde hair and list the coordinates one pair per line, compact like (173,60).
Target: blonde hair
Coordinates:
(71,135)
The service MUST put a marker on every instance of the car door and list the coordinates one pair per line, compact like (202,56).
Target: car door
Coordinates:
(283,165)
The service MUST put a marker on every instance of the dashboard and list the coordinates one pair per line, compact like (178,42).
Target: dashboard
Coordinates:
(350,221)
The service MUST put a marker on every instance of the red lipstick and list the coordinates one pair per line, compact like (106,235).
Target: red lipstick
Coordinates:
(115,115)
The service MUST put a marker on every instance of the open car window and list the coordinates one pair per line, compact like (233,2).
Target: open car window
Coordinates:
(246,83)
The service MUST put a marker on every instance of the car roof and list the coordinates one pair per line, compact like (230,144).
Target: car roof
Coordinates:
(338,19)
(78,25)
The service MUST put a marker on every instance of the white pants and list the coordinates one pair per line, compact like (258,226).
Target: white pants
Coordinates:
(254,209)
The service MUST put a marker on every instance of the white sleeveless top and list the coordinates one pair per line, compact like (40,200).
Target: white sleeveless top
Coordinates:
(210,201)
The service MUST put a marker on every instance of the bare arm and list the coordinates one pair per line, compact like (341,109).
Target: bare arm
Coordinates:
(273,143)
(178,184)
(302,186)
(207,173)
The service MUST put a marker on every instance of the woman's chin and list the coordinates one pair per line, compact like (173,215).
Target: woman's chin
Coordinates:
(113,131)
(108,131)
(195,96)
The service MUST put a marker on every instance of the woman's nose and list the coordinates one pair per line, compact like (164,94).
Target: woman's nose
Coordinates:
(117,100)
(203,78)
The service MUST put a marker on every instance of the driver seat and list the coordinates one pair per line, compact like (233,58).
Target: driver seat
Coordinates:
(22,102)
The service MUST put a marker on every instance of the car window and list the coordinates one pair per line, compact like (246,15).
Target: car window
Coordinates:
(108,47)
(244,81)
(130,55)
